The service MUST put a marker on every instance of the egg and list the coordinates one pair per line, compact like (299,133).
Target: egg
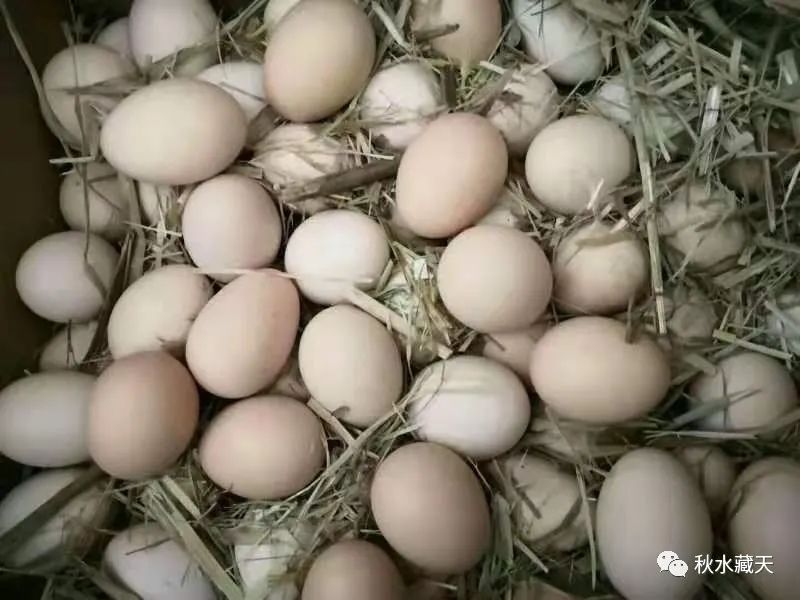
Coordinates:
(243,80)
(333,251)
(174,132)
(599,272)
(43,419)
(155,567)
(230,222)
(116,37)
(241,339)
(430,508)
(92,199)
(479,27)
(528,102)
(470,404)
(585,369)
(745,173)
(714,471)
(351,365)
(57,282)
(318,58)
(81,65)
(648,505)
(275,10)
(160,29)
(68,348)
(157,202)
(546,504)
(691,223)
(568,441)
(451,175)
(566,43)
(71,531)
(142,415)
(575,160)
(494,279)
(691,317)
(399,101)
(539,590)
(763,513)
(289,382)
(748,390)
(263,448)
(353,570)
(509,211)
(142,320)
(786,325)
(513,349)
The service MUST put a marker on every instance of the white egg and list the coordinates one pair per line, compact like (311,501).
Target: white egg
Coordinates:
(56,282)
(333,251)
(513,349)
(79,66)
(73,530)
(529,101)
(148,562)
(275,10)
(786,325)
(244,80)
(157,311)
(92,199)
(470,404)
(159,29)
(555,35)
(155,201)
(68,348)
(714,471)
(399,102)
(115,36)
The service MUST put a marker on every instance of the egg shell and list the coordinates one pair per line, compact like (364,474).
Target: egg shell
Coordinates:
(93,188)
(451,175)
(528,102)
(81,65)
(763,513)
(554,34)
(174,132)
(243,80)
(569,441)
(230,222)
(508,212)
(786,324)
(575,160)
(351,365)
(334,251)
(353,570)
(714,471)
(241,340)
(584,369)
(479,27)
(68,348)
(159,29)
(43,419)
(649,504)
(430,507)
(470,404)
(53,280)
(494,279)
(558,521)
(71,531)
(149,563)
(513,349)
(318,58)
(275,10)
(263,448)
(156,202)
(156,311)
(758,390)
(399,101)
(691,316)
(116,37)
(690,223)
(142,415)
(599,272)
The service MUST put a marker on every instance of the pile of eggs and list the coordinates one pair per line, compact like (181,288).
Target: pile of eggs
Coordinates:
(231,321)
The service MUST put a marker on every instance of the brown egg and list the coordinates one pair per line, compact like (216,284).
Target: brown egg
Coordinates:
(263,448)
(241,339)
(479,27)
(431,509)
(513,349)
(494,279)
(451,175)
(318,59)
(585,369)
(142,415)
(353,570)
